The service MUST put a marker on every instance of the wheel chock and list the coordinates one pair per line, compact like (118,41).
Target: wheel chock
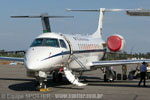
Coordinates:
(44,89)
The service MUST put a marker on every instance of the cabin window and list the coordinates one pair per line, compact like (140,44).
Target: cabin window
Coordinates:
(63,44)
(51,42)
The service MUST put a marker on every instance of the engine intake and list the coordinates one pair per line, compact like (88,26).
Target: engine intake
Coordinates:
(115,43)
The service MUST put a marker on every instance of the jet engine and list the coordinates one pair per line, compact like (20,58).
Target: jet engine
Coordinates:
(115,43)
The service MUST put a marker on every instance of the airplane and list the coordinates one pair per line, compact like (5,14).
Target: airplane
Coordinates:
(54,53)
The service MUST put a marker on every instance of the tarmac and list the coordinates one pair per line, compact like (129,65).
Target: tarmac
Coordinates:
(15,85)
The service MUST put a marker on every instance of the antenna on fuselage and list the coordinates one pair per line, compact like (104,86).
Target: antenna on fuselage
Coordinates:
(98,32)
(44,19)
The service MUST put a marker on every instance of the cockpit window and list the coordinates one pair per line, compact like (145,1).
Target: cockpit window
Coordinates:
(37,42)
(51,42)
(63,44)
(45,42)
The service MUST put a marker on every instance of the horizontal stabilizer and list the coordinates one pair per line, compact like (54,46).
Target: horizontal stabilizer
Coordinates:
(104,10)
(42,16)
(44,19)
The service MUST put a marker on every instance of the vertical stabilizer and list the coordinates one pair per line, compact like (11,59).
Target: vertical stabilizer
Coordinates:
(98,33)
(45,22)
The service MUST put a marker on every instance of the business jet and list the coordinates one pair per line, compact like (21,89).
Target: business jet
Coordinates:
(54,53)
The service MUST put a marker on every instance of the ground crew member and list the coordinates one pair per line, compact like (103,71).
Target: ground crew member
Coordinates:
(143,70)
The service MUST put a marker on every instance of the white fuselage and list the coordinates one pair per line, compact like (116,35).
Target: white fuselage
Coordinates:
(49,51)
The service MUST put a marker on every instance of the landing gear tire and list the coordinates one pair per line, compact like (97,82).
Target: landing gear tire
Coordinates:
(60,77)
(54,76)
(39,86)
(105,79)
(57,77)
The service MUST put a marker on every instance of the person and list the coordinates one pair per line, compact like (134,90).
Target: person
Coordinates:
(143,70)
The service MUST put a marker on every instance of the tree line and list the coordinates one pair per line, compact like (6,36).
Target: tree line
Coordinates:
(108,56)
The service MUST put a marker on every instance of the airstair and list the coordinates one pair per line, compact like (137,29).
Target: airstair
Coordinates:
(68,73)
(71,78)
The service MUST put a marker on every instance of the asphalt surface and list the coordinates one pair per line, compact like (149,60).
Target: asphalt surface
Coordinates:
(15,85)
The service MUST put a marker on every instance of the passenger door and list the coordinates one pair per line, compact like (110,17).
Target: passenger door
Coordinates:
(65,50)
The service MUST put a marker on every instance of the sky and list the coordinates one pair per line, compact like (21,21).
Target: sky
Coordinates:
(18,34)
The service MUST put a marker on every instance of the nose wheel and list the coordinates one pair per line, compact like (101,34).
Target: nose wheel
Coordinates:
(40,85)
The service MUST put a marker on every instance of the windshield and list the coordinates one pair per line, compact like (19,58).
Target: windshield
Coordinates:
(45,42)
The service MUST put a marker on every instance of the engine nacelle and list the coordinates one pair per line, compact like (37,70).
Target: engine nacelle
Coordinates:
(115,43)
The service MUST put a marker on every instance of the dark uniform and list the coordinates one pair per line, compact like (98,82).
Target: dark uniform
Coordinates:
(143,70)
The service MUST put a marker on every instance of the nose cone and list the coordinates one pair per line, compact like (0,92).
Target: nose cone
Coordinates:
(41,59)
(33,58)
(32,65)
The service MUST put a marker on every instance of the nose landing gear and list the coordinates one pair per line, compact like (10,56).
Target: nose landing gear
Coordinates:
(41,83)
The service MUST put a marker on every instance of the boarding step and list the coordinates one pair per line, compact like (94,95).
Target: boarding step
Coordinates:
(71,78)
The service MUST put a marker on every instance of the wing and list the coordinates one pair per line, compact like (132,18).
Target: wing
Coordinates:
(117,62)
(12,59)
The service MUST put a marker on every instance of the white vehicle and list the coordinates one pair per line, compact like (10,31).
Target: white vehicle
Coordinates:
(51,52)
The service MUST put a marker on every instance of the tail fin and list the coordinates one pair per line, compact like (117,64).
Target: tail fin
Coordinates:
(98,33)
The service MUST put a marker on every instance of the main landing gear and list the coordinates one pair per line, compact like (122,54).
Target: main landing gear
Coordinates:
(57,76)
(109,74)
